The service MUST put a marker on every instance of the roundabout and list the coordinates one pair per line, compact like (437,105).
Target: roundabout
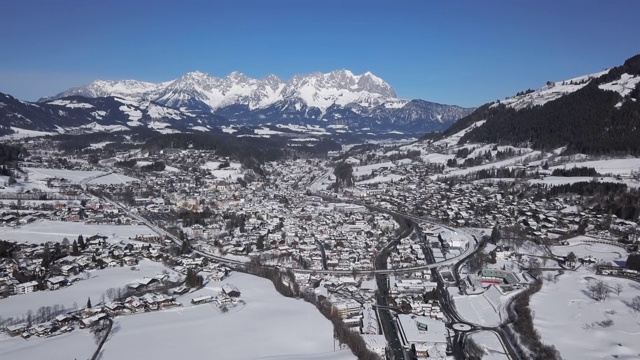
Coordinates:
(461,327)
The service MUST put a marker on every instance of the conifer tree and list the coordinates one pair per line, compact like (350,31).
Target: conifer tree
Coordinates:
(74,248)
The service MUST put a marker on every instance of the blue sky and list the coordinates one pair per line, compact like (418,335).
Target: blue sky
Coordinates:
(455,52)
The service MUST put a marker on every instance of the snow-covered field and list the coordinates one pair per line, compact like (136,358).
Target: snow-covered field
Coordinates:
(602,252)
(622,86)
(97,284)
(21,186)
(112,179)
(453,139)
(367,169)
(611,166)
(74,176)
(233,172)
(380,179)
(572,321)
(491,344)
(437,158)
(563,180)
(41,231)
(78,344)
(550,92)
(477,309)
(269,326)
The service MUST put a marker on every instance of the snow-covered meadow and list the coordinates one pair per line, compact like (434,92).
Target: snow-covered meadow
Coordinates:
(491,344)
(232,172)
(78,344)
(583,328)
(576,324)
(112,179)
(268,326)
(609,166)
(76,176)
(483,309)
(42,231)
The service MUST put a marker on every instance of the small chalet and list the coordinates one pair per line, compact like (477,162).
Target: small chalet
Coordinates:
(230,290)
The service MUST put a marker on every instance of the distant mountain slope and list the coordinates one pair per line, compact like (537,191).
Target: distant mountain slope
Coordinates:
(593,114)
(336,98)
(97,114)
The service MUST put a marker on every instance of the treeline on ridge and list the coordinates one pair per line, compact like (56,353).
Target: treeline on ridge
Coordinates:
(589,121)
(575,171)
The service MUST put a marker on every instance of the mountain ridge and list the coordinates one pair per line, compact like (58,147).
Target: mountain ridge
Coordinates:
(316,89)
(597,113)
(340,97)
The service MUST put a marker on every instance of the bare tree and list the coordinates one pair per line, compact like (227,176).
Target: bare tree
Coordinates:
(549,277)
(111,294)
(635,304)
(599,291)
(617,288)
(534,266)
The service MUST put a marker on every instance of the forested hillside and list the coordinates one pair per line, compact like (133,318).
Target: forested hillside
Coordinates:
(591,120)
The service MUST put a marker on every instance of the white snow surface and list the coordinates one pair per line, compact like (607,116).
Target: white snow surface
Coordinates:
(491,344)
(94,126)
(550,92)
(567,317)
(453,139)
(269,326)
(381,179)
(367,169)
(609,166)
(234,170)
(622,86)
(563,180)
(41,231)
(19,133)
(71,104)
(73,176)
(78,344)
(477,309)
(112,179)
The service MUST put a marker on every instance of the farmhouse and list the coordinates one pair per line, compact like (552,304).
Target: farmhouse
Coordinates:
(15,330)
(230,290)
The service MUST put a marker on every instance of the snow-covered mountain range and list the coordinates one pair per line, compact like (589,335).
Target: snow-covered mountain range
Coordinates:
(317,90)
(336,98)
